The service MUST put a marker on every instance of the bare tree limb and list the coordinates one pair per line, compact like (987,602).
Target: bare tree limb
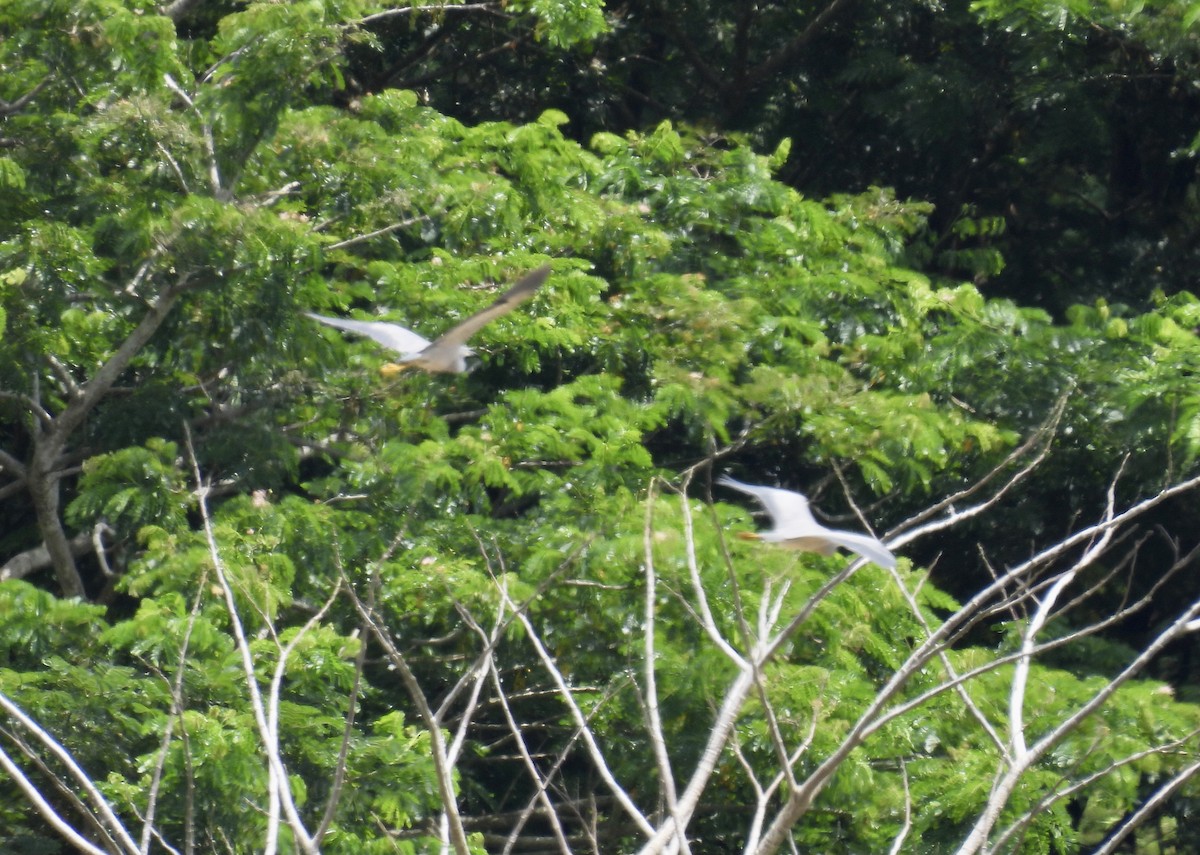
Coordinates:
(103,811)
(339,772)
(43,807)
(653,717)
(799,800)
(215,184)
(7,108)
(534,775)
(924,522)
(902,835)
(589,739)
(93,827)
(1058,795)
(977,838)
(177,709)
(42,475)
(1148,807)
(432,7)
(386,230)
(278,783)
(38,558)
(442,768)
(6,460)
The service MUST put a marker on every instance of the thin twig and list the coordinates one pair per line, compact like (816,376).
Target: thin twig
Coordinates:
(658,740)
(278,782)
(339,771)
(442,769)
(589,739)
(177,709)
(403,224)
(99,804)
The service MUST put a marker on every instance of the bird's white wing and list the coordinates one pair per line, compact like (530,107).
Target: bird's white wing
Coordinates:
(865,545)
(392,336)
(525,288)
(789,511)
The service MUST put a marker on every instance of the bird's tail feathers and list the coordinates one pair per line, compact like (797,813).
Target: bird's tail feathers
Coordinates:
(868,547)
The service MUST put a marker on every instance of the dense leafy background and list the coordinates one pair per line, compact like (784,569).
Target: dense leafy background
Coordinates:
(859,250)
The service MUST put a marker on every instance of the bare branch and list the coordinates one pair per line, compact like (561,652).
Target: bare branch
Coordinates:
(539,782)
(386,230)
(433,7)
(38,558)
(977,838)
(94,827)
(11,488)
(568,697)
(64,376)
(176,716)
(654,719)
(1020,757)
(1149,806)
(442,768)
(175,166)
(339,772)
(958,684)
(44,808)
(902,835)
(215,185)
(278,782)
(1058,795)
(102,381)
(799,800)
(707,621)
(7,108)
(961,678)
(42,475)
(38,411)
(912,529)
(104,812)
(481,665)
(735,698)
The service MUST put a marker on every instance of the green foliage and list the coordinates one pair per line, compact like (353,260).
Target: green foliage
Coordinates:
(699,309)
(131,488)
(36,625)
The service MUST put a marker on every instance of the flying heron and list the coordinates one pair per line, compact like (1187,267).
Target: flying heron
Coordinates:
(795,527)
(448,353)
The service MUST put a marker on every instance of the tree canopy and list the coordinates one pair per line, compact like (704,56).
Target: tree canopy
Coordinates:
(928,265)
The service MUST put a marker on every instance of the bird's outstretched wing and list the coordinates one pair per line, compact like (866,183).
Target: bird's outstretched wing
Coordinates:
(525,288)
(392,336)
(789,511)
(865,545)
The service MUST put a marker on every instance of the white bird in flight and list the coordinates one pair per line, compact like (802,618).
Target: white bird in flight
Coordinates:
(448,353)
(795,527)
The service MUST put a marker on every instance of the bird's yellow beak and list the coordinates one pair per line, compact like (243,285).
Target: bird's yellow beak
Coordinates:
(748,535)
(392,369)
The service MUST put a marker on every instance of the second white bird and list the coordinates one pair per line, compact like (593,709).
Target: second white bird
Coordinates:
(795,527)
